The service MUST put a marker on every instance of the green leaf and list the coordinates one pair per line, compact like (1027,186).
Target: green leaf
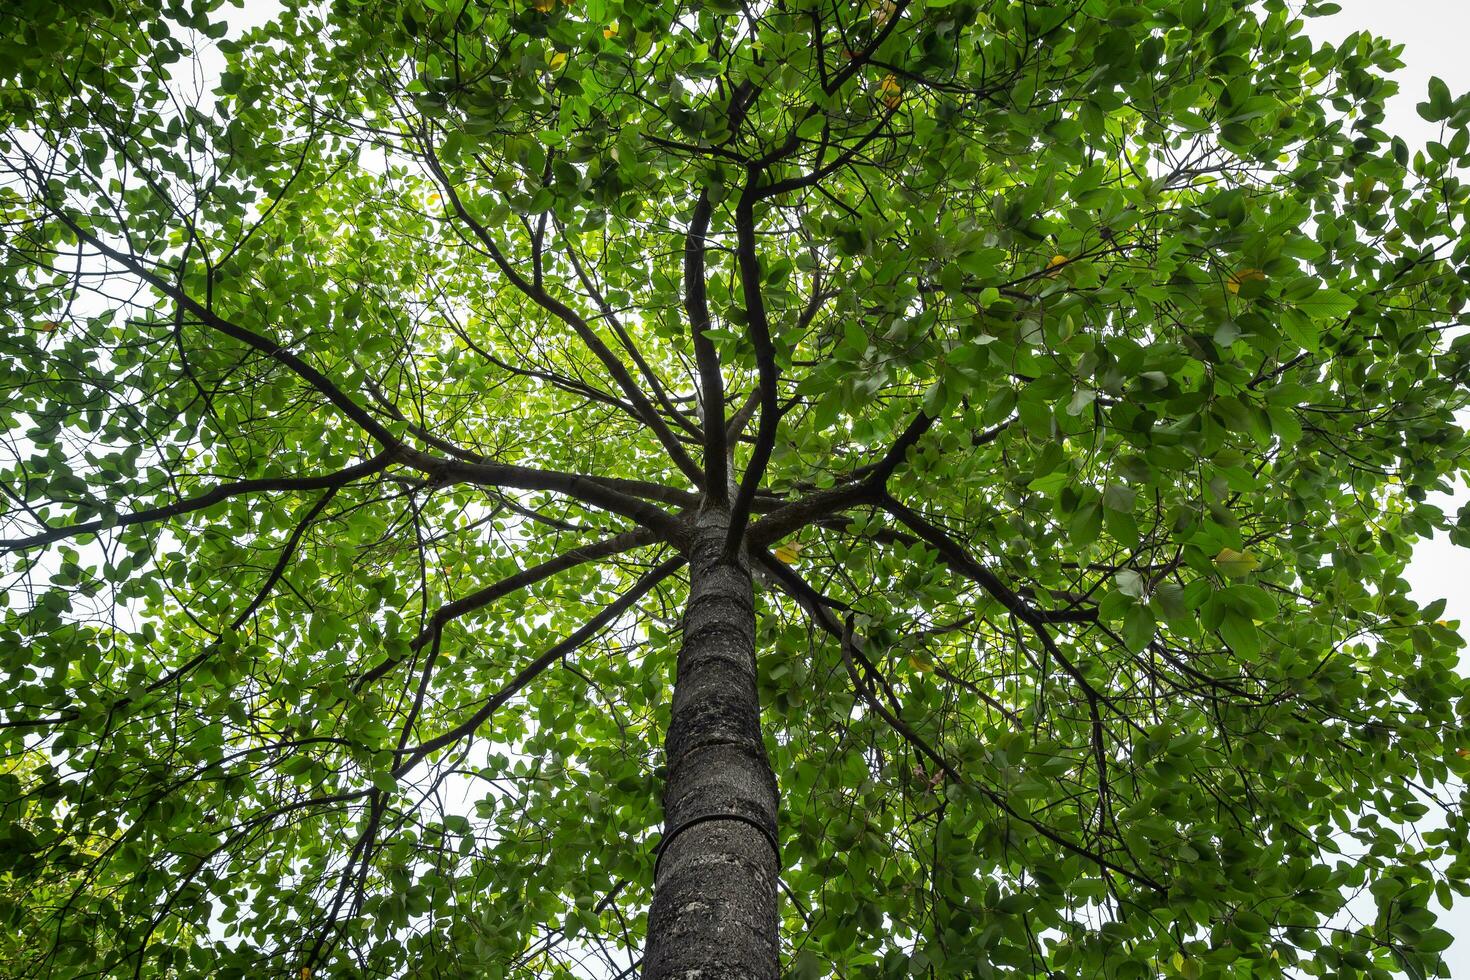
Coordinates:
(1240,634)
(1081,400)
(1138,627)
(1169,598)
(1326,303)
(1440,98)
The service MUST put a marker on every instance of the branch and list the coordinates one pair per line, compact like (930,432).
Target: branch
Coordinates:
(877,476)
(607,547)
(287,553)
(818,605)
(567,315)
(799,513)
(955,556)
(529,673)
(376,392)
(526,478)
(831,167)
(862,57)
(644,368)
(570,385)
(601,492)
(918,742)
(765,362)
(329,481)
(711,382)
(741,417)
(865,689)
(250,338)
(868,490)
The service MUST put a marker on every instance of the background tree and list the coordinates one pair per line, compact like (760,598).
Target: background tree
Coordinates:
(502,489)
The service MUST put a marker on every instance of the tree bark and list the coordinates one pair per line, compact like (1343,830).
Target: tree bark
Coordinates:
(714,898)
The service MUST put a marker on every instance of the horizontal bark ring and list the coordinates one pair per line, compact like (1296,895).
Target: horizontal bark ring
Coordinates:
(658,852)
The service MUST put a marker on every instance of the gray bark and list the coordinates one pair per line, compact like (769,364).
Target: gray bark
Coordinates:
(714,898)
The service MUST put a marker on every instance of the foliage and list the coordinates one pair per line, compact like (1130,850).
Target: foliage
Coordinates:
(1087,367)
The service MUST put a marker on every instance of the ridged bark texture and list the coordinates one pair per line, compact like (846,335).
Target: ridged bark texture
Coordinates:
(714,898)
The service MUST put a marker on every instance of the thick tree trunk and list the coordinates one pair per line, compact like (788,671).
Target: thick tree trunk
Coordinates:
(714,897)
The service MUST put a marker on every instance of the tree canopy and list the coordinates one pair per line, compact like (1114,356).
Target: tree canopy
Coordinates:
(1071,377)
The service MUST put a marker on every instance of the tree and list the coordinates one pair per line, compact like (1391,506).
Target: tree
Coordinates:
(907,489)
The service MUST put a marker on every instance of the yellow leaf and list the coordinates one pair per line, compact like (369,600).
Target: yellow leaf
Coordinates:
(787,552)
(1244,275)
(1236,564)
(611,31)
(557,60)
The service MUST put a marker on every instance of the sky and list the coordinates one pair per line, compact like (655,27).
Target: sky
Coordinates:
(1434,34)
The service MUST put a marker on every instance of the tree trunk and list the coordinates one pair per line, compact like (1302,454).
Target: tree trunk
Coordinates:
(714,897)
